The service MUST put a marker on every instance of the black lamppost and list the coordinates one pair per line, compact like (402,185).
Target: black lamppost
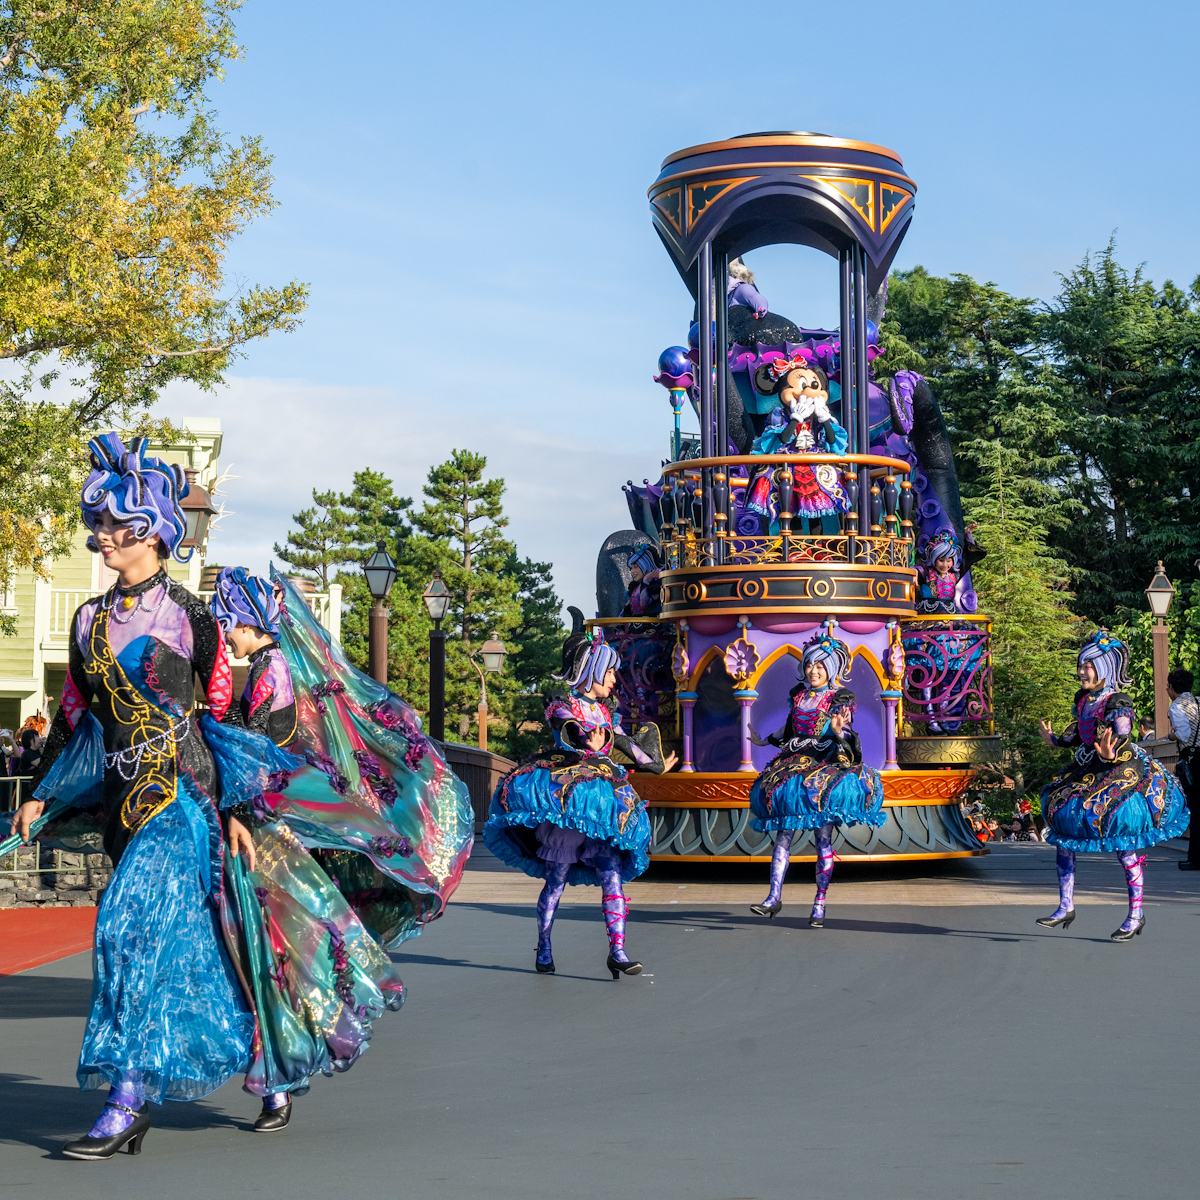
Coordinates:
(1160,593)
(380,571)
(437,601)
(493,653)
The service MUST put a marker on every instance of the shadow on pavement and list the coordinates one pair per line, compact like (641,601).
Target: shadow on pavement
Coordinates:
(29,997)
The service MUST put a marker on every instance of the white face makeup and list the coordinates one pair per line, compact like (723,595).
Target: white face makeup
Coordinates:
(134,559)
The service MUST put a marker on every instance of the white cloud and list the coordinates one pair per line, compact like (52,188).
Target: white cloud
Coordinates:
(284,437)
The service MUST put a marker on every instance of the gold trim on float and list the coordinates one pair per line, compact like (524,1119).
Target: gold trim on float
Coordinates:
(735,859)
(768,165)
(783,139)
(835,609)
(735,570)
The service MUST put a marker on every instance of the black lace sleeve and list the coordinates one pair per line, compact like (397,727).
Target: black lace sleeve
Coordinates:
(76,697)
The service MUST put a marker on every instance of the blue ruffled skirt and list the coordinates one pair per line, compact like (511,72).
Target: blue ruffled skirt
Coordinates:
(1127,806)
(800,792)
(165,999)
(603,811)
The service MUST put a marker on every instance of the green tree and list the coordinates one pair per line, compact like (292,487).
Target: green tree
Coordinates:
(536,653)
(319,545)
(1023,587)
(1125,386)
(461,532)
(120,200)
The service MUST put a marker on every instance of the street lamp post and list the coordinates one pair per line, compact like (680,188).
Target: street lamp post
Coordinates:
(380,571)
(1160,593)
(492,652)
(437,601)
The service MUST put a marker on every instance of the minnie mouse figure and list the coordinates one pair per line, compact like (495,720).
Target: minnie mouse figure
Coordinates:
(803,424)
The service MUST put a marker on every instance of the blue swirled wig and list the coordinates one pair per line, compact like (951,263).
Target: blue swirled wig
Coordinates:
(1110,656)
(643,556)
(240,598)
(138,489)
(587,658)
(833,654)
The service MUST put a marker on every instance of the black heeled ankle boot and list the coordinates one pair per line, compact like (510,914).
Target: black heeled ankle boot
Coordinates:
(1124,935)
(541,967)
(767,910)
(271,1120)
(131,1136)
(623,968)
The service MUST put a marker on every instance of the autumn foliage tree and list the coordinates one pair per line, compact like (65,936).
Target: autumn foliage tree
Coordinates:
(121,197)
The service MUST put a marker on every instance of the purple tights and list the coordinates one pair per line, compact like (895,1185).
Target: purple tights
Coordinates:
(130,1093)
(780,858)
(825,859)
(1135,881)
(1064,864)
(616,909)
(547,906)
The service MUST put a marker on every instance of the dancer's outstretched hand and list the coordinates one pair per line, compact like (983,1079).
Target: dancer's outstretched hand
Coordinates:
(239,840)
(1106,743)
(1046,730)
(25,816)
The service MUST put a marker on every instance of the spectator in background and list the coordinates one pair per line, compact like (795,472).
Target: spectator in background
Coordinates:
(1184,715)
(31,752)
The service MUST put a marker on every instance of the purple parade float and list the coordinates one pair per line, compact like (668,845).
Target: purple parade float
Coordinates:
(817,501)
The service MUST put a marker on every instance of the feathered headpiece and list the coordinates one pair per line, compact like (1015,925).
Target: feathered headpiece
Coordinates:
(240,598)
(137,489)
(831,652)
(943,545)
(587,657)
(1110,656)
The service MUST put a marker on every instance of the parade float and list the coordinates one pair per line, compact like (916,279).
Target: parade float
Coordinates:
(796,512)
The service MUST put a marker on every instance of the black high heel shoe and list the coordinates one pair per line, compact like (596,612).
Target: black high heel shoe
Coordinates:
(1054,922)
(130,1137)
(767,910)
(271,1120)
(541,967)
(1123,935)
(817,922)
(623,968)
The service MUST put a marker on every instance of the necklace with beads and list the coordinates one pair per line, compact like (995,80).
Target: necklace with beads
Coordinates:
(131,601)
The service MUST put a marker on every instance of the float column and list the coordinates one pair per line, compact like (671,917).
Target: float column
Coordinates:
(687,701)
(745,701)
(891,702)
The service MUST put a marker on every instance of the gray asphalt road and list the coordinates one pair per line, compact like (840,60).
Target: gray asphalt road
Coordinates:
(908,1052)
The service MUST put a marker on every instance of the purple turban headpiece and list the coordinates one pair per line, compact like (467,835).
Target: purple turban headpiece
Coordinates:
(1110,656)
(587,658)
(138,489)
(240,598)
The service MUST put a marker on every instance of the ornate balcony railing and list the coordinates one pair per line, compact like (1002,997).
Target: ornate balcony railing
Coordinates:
(707,521)
(947,677)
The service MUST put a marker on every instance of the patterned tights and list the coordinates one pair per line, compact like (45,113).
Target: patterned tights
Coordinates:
(613,903)
(825,859)
(1130,860)
(130,1093)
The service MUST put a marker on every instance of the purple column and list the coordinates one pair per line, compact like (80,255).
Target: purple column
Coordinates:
(745,701)
(891,701)
(688,701)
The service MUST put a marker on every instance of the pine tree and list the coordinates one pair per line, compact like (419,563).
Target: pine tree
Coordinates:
(537,652)
(1022,586)
(461,526)
(319,546)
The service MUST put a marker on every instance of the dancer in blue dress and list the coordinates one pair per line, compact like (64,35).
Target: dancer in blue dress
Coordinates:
(570,815)
(206,966)
(818,781)
(1113,797)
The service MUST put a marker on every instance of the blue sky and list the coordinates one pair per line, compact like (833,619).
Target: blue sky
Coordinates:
(463,187)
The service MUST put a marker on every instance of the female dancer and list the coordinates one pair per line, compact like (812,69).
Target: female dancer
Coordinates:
(1113,796)
(569,816)
(186,994)
(818,781)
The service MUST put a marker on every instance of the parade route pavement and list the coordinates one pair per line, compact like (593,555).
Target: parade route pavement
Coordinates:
(931,1042)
